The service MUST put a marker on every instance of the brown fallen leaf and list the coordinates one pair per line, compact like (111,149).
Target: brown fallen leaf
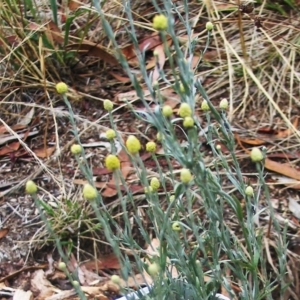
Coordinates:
(287,132)
(44,153)
(12,147)
(148,43)
(105,262)
(160,63)
(283,169)
(90,49)
(3,232)
(249,141)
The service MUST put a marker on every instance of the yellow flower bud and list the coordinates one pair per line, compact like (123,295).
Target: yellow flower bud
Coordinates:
(256,155)
(62,266)
(209,26)
(151,147)
(167,111)
(185,176)
(176,226)
(219,147)
(172,198)
(249,191)
(89,192)
(184,110)
(204,105)
(148,190)
(224,103)
(76,149)
(155,184)
(115,279)
(30,187)
(155,85)
(160,22)
(188,122)
(153,269)
(61,88)
(110,134)
(159,136)
(108,105)
(75,283)
(181,88)
(133,145)
(112,162)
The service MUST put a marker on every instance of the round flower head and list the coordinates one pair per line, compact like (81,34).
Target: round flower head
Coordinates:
(155,85)
(159,136)
(181,88)
(209,26)
(155,184)
(153,269)
(176,226)
(223,103)
(61,88)
(188,122)
(172,198)
(148,189)
(256,155)
(110,134)
(108,105)
(185,176)
(30,187)
(89,192)
(133,145)
(219,147)
(76,149)
(204,105)
(75,283)
(184,110)
(249,191)
(167,111)
(151,147)
(160,22)
(115,279)
(112,162)
(62,266)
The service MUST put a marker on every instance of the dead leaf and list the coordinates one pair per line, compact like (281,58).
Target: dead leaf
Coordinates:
(12,147)
(119,77)
(289,182)
(73,5)
(285,133)
(42,286)
(160,63)
(90,49)
(249,141)
(44,153)
(22,295)
(283,169)
(3,232)
(26,120)
(148,43)
(54,34)
(106,262)
(294,207)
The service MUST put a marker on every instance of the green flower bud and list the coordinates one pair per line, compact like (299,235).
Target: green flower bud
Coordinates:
(89,192)
(256,155)
(30,187)
(249,191)
(209,26)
